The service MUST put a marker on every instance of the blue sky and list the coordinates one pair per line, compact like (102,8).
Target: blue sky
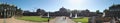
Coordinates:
(55,5)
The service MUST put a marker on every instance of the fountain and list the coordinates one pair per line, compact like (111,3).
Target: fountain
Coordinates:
(48,15)
(103,15)
(70,14)
(76,15)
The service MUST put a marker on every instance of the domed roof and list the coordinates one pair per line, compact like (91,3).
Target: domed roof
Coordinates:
(63,9)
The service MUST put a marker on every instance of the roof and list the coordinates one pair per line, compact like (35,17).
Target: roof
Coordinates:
(115,6)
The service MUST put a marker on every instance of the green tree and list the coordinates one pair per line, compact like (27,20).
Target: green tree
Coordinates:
(75,11)
(106,11)
(40,12)
(97,11)
(19,12)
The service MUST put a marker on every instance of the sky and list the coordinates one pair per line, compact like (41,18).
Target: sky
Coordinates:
(55,5)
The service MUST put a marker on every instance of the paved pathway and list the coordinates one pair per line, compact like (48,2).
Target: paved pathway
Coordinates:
(55,20)
(61,20)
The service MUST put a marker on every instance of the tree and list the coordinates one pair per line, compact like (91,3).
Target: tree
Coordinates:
(75,11)
(106,11)
(97,12)
(68,10)
(40,12)
(19,12)
(26,13)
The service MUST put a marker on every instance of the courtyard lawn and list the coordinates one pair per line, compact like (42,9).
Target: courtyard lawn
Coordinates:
(33,18)
(83,20)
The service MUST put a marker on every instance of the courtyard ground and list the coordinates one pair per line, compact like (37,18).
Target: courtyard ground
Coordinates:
(62,20)
(55,20)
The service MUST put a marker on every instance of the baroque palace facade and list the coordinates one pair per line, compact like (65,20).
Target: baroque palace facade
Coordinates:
(7,10)
(113,11)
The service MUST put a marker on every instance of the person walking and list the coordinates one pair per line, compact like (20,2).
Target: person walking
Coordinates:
(65,17)
(48,19)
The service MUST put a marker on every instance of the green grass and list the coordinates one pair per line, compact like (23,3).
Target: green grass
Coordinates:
(33,18)
(83,20)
